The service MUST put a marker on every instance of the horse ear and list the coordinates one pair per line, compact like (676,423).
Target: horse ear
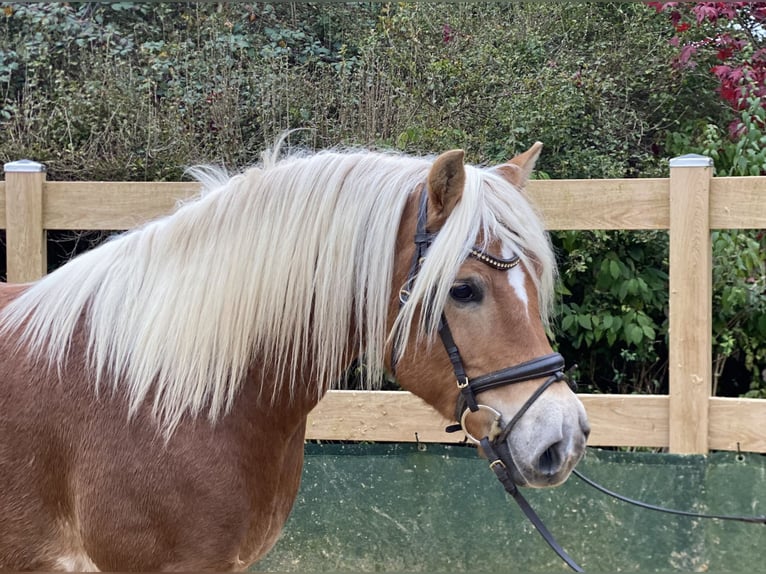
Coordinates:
(518,169)
(445,186)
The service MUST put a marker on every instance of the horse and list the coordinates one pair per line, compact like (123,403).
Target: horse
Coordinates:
(154,391)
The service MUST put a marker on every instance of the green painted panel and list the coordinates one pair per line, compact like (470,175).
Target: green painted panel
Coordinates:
(397,508)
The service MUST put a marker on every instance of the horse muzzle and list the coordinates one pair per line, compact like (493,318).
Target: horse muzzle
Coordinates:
(544,439)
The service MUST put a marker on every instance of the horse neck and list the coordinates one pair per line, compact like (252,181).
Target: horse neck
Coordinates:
(263,391)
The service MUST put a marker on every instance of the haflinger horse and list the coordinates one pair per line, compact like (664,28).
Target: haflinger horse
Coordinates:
(154,391)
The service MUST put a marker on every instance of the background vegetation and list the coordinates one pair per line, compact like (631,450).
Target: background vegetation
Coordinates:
(138,91)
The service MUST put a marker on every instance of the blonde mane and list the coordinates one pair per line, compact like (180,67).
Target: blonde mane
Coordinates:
(283,260)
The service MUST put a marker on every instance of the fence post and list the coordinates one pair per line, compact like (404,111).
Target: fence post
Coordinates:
(25,237)
(690,306)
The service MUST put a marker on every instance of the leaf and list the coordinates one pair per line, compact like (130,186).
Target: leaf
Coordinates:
(635,252)
(643,320)
(634,334)
(614,269)
(623,290)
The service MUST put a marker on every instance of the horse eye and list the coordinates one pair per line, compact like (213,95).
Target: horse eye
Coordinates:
(465,293)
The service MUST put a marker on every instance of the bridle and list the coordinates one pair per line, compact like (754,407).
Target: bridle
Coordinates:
(494,445)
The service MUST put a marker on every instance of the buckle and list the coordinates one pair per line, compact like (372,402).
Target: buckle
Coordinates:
(499,463)
(464,384)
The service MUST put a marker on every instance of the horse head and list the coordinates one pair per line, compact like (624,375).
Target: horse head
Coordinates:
(485,294)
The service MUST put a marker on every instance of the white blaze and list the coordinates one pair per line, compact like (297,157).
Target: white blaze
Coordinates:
(516,277)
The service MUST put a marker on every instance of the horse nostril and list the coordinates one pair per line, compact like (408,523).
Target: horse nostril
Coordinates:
(551,460)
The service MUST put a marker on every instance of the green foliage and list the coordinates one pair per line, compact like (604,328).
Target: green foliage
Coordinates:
(499,76)
(614,295)
(739,307)
(140,90)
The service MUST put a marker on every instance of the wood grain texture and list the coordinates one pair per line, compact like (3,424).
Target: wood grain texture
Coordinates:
(2,204)
(627,420)
(735,202)
(738,424)
(690,309)
(602,204)
(738,203)
(564,204)
(25,236)
(111,205)
(377,416)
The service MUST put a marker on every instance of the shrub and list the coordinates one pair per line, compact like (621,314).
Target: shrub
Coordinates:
(613,311)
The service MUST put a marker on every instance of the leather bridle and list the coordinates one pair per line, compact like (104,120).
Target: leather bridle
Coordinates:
(494,445)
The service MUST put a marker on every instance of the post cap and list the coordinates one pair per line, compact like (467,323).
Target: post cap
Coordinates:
(691,160)
(23,166)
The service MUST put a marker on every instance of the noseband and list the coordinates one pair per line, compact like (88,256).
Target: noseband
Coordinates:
(495,444)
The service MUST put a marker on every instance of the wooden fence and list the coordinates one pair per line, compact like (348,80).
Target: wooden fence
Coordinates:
(689,203)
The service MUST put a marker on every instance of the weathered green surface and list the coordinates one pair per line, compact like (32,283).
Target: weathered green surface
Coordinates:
(394,508)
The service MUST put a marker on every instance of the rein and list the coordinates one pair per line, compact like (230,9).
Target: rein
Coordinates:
(645,505)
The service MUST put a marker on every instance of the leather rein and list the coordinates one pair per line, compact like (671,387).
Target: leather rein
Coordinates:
(494,445)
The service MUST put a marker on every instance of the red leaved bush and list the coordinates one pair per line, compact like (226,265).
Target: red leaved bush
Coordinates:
(728,37)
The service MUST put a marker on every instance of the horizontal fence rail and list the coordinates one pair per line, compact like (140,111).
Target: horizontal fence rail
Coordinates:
(690,203)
